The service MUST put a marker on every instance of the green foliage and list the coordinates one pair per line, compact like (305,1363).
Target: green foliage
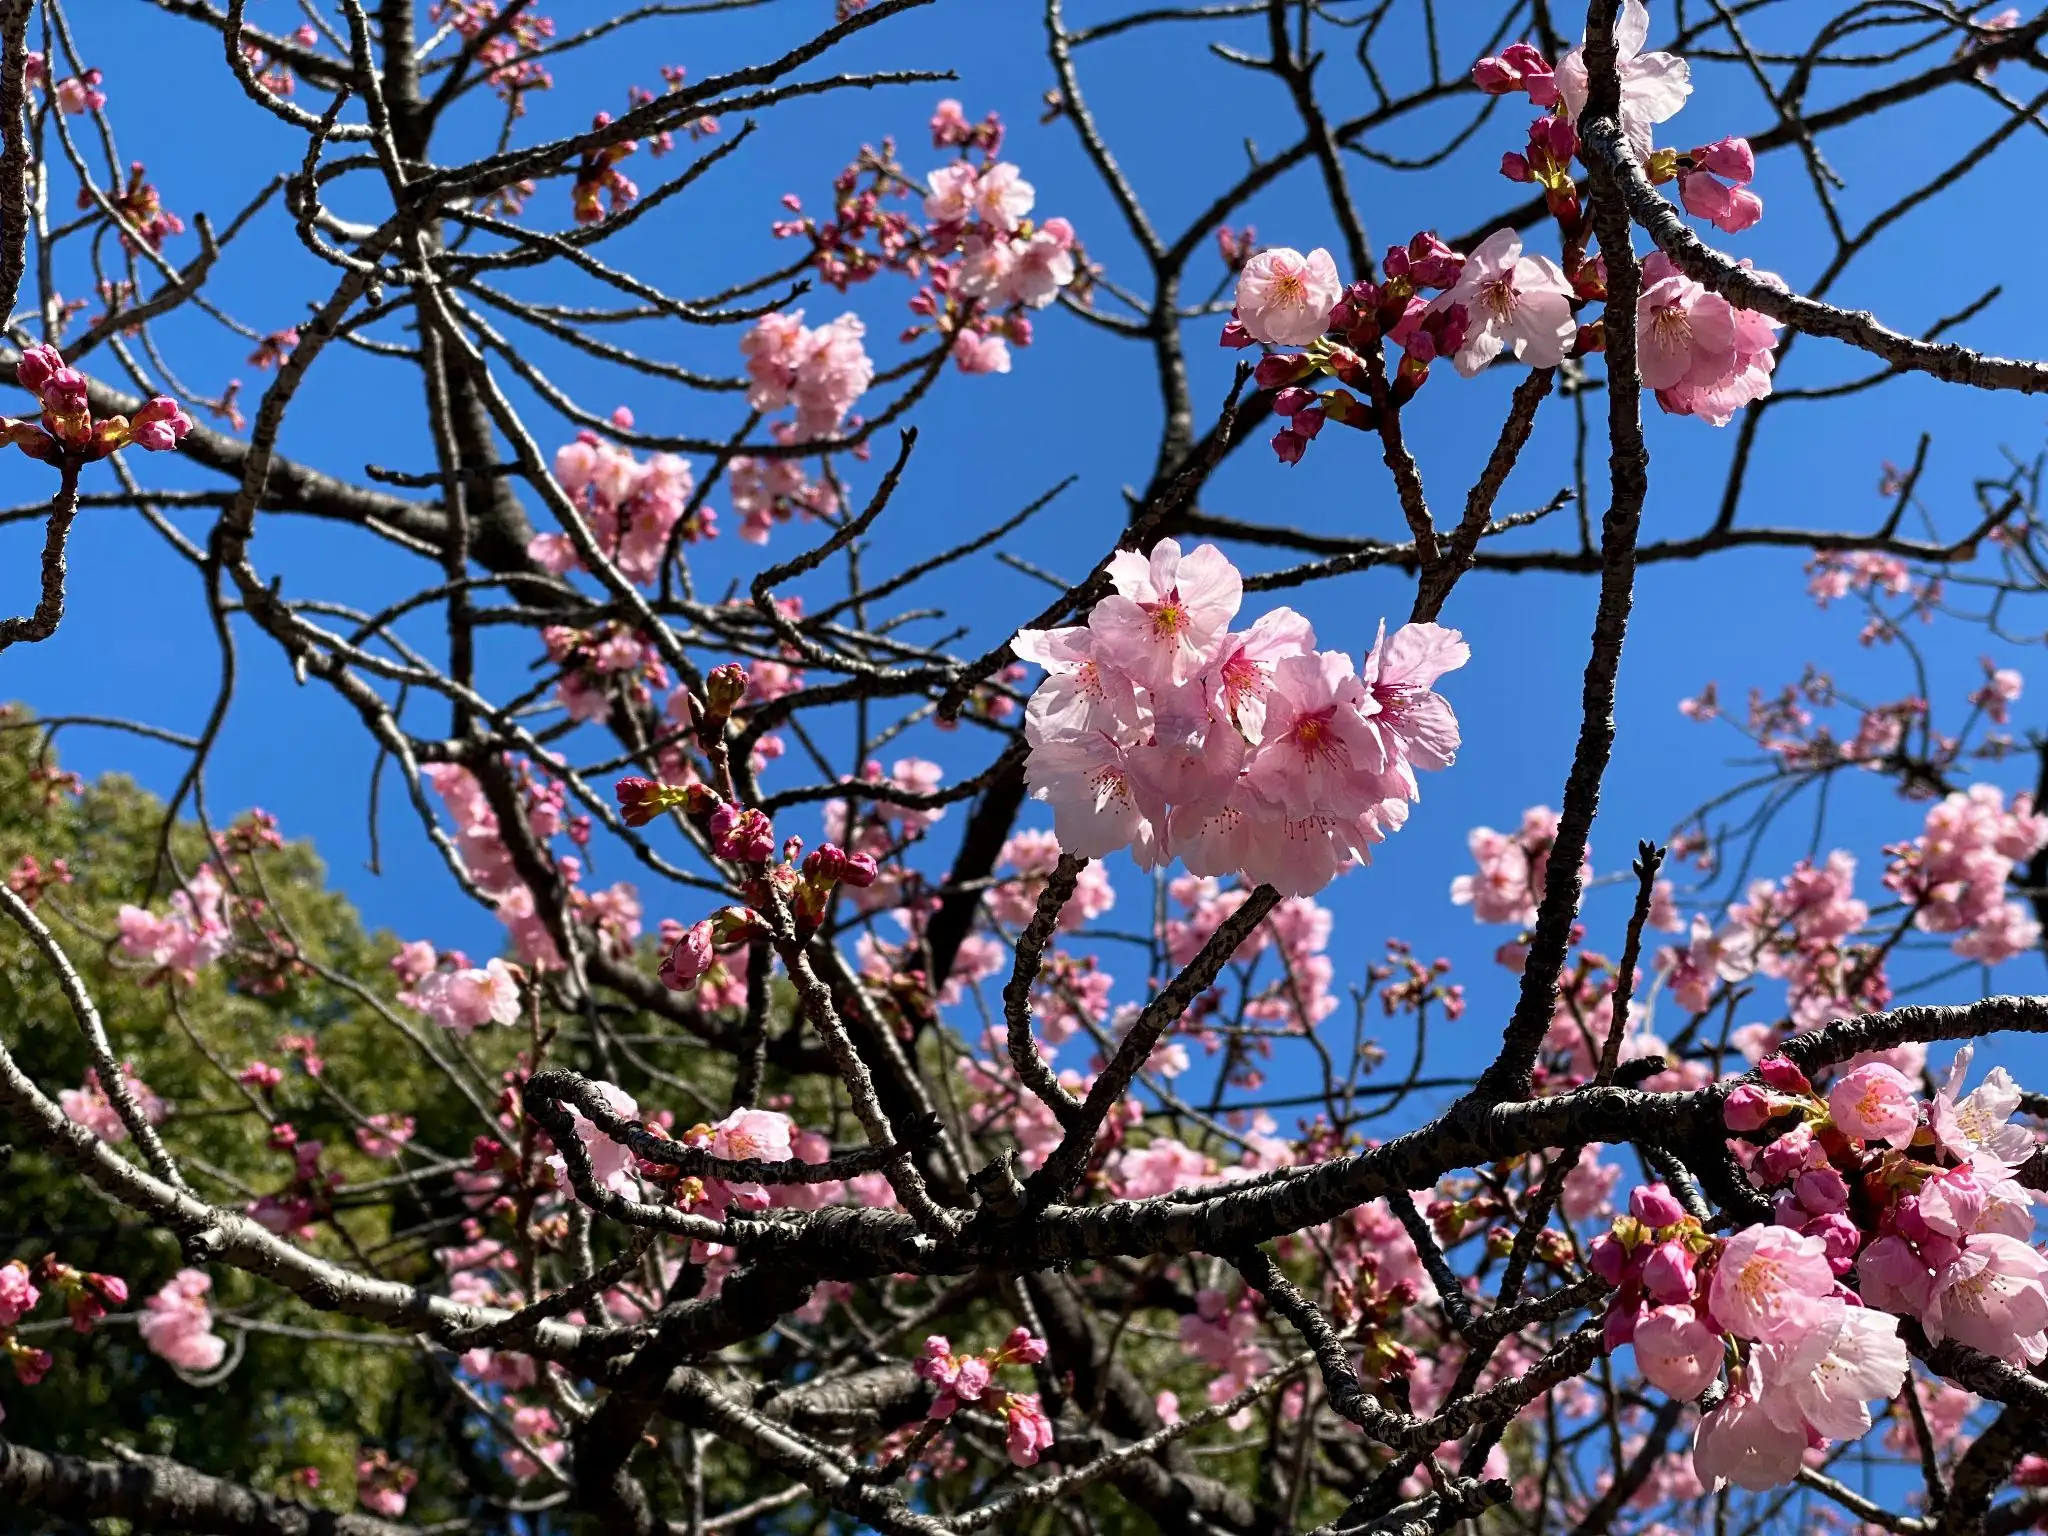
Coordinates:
(288,1402)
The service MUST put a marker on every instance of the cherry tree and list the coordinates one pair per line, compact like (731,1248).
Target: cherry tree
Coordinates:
(955,1107)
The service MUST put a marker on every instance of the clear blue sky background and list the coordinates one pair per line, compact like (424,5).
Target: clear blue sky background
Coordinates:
(136,640)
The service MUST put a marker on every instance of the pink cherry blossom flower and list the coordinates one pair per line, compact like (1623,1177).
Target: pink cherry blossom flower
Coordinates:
(1318,753)
(1653,85)
(1729,209)
(1414,720)
(821,372)
(1752,357)
(382,1485)
(177,1324)
(951,198)
(1086,779)
(465,1000)
(1243,666)
(90,1107)
(384,1135)
(611,1162)
(1086,691)
(1826,1380)
(1002,197)
(1739,1443)
(1677,1353)
(1158,1168)
(1684,334)
(1027,1430)
(1041,266)
(1169,612)
(1515,303)
(1512,869)
(18,1294)
(1033,853)
(1588,1186)
(974,352)
(1772,1284)
(1991,1297)
(1976,1123)
(1875,1103)
(1284,298)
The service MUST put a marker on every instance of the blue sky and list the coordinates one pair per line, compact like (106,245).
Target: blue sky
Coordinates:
(136,640)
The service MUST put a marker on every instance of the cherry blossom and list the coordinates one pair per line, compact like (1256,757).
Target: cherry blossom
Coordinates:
(1677,1353)
(1876,1103)
(1515,303)
(1772,1285)
(1715,384)
(465,999)
(1653,85)
(1284,298)
(1740,1443)
(89,1106)
(177,1324)
(1168,614)
(1825,1380)
(821,372)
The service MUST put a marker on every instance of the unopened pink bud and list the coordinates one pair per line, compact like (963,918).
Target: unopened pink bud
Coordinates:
(1496,77)
(1655,1206)
(1779,1072)
(37,366)
(1748,1108)
(688,958)
(160,425)
(1608,1258)
(1731,157)
(1821,1191)
(1667,1273)
(1280,369)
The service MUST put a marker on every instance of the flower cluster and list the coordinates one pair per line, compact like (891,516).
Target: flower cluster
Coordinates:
(600,187)
(1513,867)
(612,914)
(382,1485)
(970,1380)
(1162,730)
(86,1296)
(1701,355)
(984,263)
(456,995)
(75,95)
(503,47)
(821,372)
(184,941)
(90,1107)
(177,1324)
(1955,872)
(67,432)
(1919,1201)
(631,508)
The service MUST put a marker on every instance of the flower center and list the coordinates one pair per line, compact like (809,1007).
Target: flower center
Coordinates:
(1169,617)
(1314,739)
(1672,328)
(1499,297)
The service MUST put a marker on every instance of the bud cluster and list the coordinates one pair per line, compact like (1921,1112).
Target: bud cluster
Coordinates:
(67,434)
